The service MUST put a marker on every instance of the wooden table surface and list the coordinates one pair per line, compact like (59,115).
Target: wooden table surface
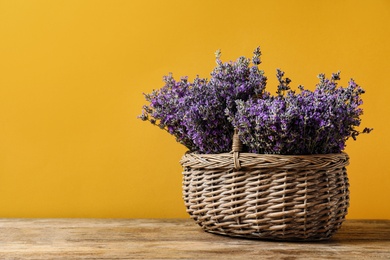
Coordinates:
(176,239)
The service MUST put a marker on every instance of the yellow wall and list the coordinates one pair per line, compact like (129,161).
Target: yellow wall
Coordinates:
(72,75)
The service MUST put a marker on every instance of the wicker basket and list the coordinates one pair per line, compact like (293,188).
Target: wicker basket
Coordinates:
(279,197)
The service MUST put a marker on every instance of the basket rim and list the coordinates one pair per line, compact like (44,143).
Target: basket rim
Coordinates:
(237,160)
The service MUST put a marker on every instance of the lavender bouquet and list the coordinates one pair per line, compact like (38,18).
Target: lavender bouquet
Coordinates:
(203,114)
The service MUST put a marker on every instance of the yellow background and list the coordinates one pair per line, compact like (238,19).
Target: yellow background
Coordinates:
(72,74)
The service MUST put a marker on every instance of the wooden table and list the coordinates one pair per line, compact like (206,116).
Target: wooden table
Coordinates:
(176,239)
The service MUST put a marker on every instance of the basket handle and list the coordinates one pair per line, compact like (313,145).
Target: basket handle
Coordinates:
(236,149)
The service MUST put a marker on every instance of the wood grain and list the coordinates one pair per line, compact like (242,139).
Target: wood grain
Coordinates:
(176,239)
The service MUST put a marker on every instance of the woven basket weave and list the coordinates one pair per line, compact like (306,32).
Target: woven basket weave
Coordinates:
(279,197)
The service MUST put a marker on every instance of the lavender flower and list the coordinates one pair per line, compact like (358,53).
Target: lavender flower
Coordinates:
(195,112)
(311,122)
(203,114)
(168,107)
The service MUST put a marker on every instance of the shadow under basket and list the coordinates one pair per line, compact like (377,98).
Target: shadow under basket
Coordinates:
(277,197)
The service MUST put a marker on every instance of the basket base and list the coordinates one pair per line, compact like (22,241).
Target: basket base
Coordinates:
(268,238)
